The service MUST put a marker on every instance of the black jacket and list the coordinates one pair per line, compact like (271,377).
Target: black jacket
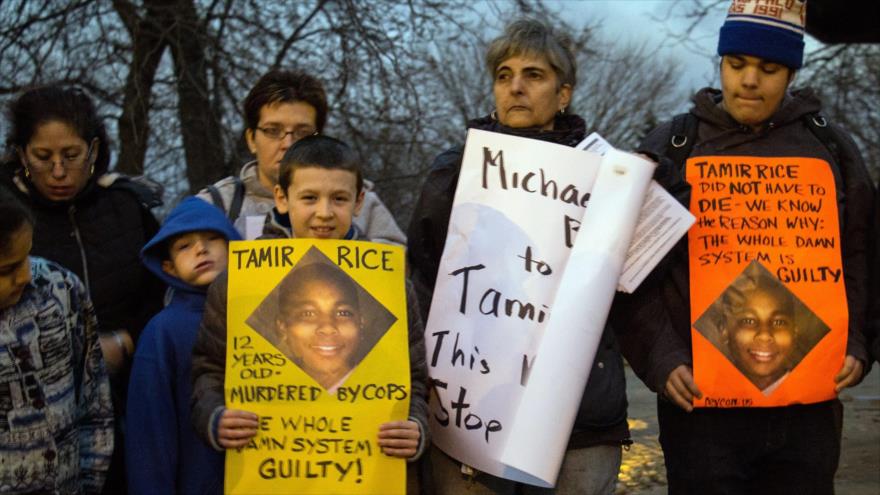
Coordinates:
(654,323)
(873,334)
(601,418)
(98,236)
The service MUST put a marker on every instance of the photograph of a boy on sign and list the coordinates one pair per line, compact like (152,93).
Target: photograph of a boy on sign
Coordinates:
(319,322)
(761,327)
(321,319)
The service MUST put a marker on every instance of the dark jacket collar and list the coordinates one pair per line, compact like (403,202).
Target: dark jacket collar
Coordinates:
(568,129)
(795,104)
(724,132)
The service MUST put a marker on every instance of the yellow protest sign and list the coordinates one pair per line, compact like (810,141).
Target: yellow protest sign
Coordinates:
(318,348)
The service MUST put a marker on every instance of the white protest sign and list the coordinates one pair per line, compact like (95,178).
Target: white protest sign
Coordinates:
(515,216)
(509,236)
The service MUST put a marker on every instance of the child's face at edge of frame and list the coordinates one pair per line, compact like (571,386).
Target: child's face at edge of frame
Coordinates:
(321,203)
(322,328)
(15,266)
(761,337)
(197,257)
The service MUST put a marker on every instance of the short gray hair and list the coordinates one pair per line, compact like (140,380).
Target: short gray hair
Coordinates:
(533,37)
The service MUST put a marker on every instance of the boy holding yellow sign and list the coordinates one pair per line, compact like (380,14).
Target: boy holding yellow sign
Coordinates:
(312,316)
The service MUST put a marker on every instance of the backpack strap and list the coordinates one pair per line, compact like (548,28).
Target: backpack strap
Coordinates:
(821,129)
(237,199)
(216,198)
(682,139)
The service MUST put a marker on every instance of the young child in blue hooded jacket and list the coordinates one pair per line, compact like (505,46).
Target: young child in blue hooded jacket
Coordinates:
(163,452)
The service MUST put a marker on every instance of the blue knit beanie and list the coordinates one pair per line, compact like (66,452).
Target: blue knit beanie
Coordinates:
(772,30)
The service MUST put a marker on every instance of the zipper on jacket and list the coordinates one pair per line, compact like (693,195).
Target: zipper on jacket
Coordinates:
(71,212)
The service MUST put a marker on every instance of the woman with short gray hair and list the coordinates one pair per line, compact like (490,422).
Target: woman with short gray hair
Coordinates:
(530,37)
(533,73)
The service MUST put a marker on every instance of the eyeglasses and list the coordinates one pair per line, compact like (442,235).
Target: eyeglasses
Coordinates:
(68,162)
(278,133)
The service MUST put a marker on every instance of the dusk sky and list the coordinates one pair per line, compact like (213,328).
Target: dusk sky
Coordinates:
(650,22)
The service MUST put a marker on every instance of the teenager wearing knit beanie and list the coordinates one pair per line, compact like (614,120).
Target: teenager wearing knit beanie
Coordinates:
(791,443)
(761,45)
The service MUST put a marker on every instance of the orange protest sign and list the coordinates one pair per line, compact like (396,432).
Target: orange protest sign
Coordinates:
(768,302)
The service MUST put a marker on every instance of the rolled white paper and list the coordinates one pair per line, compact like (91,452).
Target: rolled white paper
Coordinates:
(537,439)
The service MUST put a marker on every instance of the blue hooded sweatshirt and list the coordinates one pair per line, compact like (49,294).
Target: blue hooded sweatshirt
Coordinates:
(163,453)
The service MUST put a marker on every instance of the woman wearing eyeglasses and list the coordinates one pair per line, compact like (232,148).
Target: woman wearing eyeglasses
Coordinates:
(283,107)
(91,222)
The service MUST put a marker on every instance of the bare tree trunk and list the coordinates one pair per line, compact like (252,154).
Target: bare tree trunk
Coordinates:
(148,44)
(199,125)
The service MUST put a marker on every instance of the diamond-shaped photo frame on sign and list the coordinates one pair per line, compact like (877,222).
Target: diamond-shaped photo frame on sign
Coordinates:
(321,319)
(761,327)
